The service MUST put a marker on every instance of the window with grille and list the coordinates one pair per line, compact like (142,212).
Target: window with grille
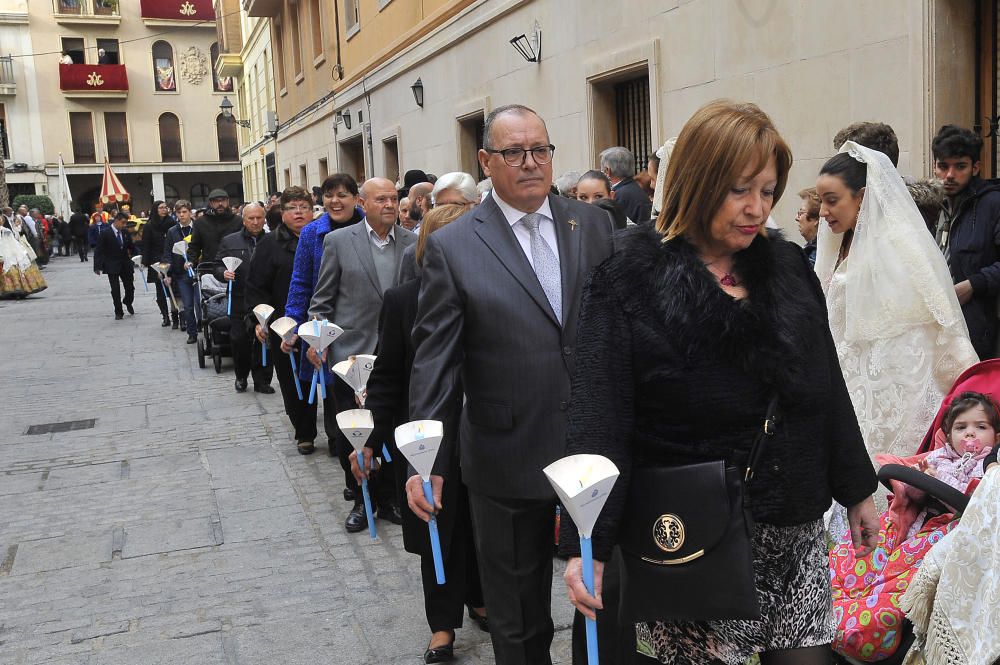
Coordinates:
(81,127)
(4,145)
(170,138)
(632,120)
(229,150)
(116,131)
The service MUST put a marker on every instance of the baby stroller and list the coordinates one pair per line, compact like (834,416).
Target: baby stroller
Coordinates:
(214,324)
(871,626)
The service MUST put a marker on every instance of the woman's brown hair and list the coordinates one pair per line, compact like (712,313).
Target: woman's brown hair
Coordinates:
(718,143)
(438,216)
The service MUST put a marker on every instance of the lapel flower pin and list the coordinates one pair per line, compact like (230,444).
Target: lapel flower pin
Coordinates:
(572,224)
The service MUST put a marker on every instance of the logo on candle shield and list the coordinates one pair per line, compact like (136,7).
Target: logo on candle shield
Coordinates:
(668,533)
(595,493)
(356,434)
(421,447)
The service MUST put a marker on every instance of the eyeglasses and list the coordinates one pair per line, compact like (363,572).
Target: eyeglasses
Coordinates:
(296,208)
(517,156)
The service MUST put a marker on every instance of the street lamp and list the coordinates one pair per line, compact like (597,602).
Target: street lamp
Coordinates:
(227,112)
(530,49)
(418,92)
(345,115)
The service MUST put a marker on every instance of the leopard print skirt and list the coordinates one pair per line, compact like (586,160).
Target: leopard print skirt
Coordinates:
(793,584)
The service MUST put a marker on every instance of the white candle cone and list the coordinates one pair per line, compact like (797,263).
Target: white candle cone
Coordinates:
(419,442)
(583,483)
(180,248)
(319,335)
(262,313)
(357,426)
(284,328)
(232,263)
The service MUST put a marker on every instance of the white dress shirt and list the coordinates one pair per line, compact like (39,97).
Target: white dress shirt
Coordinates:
(547,227)
(376,240)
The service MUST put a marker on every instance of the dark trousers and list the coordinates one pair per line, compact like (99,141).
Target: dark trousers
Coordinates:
(189,296)
(444,604)
(116,291)
(83,248)
(246,354)
(514,539)
(300,412)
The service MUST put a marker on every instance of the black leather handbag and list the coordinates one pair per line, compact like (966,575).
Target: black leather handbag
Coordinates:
(686,540)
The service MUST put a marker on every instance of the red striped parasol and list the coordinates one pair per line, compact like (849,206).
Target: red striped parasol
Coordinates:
(112,190)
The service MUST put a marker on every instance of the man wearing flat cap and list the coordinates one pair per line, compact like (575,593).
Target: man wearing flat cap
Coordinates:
(217,222)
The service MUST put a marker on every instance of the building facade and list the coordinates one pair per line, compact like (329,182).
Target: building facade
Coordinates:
(407,84)
(20,123)
(246,57)
(132,82)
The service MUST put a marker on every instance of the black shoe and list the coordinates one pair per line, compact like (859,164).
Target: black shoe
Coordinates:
(356,519)
(192,339)
(175,321)
(166,322)
(241,385)
(390,511)
(266,389)
(131,311)
(441,654)
(480,620)
(119,317)
(348,494)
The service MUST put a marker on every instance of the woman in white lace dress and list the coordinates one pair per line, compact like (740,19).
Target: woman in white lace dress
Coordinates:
(899,331)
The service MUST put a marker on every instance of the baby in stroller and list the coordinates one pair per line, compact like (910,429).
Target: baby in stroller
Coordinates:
(867,591)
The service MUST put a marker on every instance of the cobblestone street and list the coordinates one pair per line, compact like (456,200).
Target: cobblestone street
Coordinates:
(183,527)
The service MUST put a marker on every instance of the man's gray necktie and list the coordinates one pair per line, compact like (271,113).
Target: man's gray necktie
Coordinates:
(545,263)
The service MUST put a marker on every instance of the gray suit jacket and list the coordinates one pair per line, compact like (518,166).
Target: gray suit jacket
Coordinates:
(348,292)
(485,326)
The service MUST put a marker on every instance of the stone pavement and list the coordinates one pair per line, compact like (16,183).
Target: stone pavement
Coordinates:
(183,527)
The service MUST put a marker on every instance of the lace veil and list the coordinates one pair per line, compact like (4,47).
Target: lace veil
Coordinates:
(896,277)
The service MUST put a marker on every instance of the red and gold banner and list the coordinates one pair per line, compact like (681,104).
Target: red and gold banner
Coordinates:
(93,77)
(178,10)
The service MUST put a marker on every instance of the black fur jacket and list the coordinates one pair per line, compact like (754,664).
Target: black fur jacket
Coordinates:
(671,370)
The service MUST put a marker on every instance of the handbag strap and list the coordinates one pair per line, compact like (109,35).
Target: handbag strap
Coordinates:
(771,419)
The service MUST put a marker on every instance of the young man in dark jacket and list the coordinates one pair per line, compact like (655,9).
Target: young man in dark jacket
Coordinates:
(242,245)
(968,232)
(113,256)
(217,222)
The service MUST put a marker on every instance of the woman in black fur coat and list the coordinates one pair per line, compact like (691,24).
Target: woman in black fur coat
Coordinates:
(686,333)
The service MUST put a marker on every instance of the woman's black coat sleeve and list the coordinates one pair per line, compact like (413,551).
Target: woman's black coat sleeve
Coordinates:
(602,412)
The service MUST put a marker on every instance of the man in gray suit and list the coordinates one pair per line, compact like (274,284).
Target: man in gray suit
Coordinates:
(359,263)
(499,302)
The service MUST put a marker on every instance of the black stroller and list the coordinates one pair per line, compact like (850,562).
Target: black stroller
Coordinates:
(214,324)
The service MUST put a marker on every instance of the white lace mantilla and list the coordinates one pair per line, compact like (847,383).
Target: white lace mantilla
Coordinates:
(897,383)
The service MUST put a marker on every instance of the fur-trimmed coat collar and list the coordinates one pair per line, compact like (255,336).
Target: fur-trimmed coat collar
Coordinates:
(765,333)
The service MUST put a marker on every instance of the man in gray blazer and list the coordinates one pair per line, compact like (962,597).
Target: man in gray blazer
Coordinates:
(359,263)
(499,302)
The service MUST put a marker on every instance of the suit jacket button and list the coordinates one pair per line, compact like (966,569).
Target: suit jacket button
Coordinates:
(567,350)
(776,469)
(563,406)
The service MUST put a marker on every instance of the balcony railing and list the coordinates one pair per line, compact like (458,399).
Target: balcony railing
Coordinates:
(155,12)
(268,8)
(171,150)
(8,86)
(87,11)
(84,151)
(118,151)
(93,80)
(229,150)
